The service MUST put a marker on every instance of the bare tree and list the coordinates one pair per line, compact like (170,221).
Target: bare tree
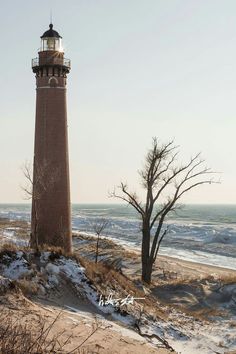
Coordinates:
(28,191)
(98,227)
(165,182)
(34,189)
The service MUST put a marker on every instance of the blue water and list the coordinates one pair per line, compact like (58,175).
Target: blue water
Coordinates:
(201,233)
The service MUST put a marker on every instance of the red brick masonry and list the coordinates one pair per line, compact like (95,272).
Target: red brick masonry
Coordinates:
(51,210)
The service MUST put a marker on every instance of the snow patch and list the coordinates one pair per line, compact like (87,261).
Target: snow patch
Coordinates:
(16,268)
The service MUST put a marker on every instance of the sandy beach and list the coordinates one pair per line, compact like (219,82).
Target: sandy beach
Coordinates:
(108,336)
(189,307)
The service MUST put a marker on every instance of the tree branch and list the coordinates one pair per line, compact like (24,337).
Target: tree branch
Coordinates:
(130,199)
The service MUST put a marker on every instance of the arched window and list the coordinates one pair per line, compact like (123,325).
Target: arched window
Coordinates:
(53,82)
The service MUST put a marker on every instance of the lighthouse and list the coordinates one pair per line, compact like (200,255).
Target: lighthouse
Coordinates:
(51,209)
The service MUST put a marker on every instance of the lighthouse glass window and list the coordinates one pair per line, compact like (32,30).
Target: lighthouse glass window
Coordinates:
(51,43)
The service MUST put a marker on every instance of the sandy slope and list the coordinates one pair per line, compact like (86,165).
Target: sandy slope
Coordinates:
(200,299)
(196,303)
(109,337)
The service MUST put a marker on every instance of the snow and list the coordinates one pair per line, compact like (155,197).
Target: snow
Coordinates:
(192,337)
(8,235)
(215,238)
(51,268)
(16,268)
(182,332)
(200,257)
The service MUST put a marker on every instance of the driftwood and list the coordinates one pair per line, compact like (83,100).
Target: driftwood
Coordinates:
(164,342)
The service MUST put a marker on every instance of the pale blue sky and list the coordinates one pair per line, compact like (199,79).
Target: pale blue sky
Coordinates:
(139,68)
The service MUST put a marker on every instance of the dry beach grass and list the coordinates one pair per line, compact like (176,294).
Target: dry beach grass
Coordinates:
(37,328)
(183,302)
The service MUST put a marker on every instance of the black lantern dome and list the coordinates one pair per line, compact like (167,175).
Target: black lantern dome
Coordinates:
(51,33)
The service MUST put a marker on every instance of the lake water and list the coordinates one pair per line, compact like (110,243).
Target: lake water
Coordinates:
(200,233)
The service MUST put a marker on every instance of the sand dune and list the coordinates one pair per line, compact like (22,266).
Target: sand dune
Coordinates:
(189,306)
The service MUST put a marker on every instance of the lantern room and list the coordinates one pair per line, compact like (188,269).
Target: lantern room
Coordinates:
(51,40)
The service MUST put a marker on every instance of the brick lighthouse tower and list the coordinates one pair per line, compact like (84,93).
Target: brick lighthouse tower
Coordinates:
(51,214)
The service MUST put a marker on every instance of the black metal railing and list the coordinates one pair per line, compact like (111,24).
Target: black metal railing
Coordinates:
(51,61)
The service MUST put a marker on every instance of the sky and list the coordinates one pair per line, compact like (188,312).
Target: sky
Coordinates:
(164,68)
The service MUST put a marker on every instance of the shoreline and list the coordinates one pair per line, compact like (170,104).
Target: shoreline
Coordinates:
(198,267)
(131,248)
(216,235)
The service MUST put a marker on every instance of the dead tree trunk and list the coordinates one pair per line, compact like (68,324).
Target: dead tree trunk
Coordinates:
(160,175)
(146,261)
(98,227)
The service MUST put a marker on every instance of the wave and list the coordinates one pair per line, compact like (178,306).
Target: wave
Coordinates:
(199,232)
